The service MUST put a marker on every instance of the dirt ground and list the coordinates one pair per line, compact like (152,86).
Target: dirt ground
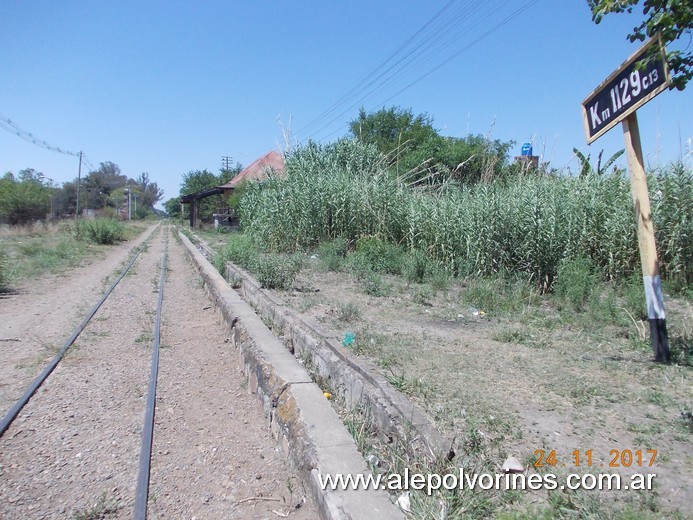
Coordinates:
(74,450)
(521,382)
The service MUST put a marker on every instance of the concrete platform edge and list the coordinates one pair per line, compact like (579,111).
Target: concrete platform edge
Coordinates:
(301,420)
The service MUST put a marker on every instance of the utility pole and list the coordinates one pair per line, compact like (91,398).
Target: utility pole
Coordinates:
(79,182)
(226,162)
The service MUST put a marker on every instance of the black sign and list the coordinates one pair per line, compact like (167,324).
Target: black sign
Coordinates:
(631,86)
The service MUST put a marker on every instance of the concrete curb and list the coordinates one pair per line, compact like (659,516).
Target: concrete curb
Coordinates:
(302,421)
(354,378)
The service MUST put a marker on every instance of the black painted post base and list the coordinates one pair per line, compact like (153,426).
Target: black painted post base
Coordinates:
(660,340)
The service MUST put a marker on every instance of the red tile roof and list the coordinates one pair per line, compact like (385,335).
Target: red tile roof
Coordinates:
(258,169)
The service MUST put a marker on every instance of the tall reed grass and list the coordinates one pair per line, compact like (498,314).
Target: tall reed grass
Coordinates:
(528,224)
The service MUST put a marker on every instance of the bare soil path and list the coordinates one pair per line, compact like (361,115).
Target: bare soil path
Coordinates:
(73,451)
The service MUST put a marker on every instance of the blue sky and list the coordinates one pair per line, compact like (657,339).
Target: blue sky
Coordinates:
(169,87)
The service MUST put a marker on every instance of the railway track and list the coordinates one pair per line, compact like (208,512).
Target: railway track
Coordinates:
(90,434)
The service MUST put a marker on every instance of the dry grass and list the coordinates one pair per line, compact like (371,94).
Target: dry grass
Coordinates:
(35,229)
(517,378)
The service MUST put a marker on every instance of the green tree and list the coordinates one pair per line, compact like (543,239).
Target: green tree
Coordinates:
(149,192)
(172,207)
(417,153)
(99,186)
(394,130)
(25,199)
(196,181)
(671,18)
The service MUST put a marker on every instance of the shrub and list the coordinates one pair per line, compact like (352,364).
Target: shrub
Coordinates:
(499,293)
(4,272)
(102,231)
(417,266)
(219,262)
(277,272)
(380,255)
(241,250)
(348,312)
(575,281)
(373,284)
(526,225)
(440,279)
(633,293)
(332,254)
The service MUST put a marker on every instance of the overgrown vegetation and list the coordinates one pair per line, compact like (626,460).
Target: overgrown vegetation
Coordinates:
(529,224)
(4,275)
(31,196)
(101,231)
(33,250)
(24,198)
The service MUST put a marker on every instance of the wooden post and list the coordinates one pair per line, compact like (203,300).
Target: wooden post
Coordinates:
(646,240)
(193,210)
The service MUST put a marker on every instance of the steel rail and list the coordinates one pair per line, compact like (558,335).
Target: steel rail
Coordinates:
(14,410)
(142,490)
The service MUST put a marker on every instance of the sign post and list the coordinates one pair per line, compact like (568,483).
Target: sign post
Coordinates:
(616,100)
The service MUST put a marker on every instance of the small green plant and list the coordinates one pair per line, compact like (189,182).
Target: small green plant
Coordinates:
(373,284)
(219,262)
(440,279)
(687,420)
(634,297)
(500,293)
(100,510)
(333,254)
(102,231)
(145,337)
(381,256)
(422,295)
(241,250)
(575,281)
(513,335)
(4,272)
(348,312)
(658,397)
(277,272)
(417,266)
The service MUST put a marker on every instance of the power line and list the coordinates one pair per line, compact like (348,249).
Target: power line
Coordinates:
(427,49)
(493,29)
(86,163)
(11,127)
(355,89)
(428,44)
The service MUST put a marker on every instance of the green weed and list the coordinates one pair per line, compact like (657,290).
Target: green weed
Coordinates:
(333,254)
(241,250)
(277,271)
(101,231)
(575,281)
(100,510)
(373,284)
(379,255)
(348,313)
(4,272)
